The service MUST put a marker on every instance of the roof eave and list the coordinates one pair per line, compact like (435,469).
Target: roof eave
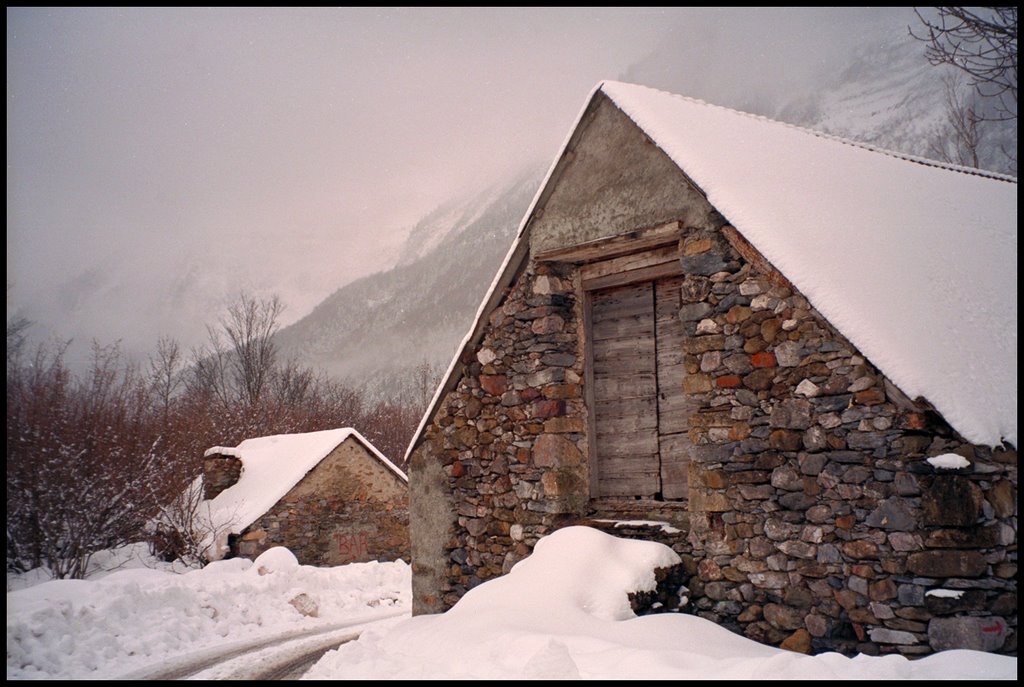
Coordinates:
(516,258)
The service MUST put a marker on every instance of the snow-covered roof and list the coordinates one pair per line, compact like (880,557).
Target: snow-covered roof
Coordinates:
(915,263)
(912,260)
(272,465)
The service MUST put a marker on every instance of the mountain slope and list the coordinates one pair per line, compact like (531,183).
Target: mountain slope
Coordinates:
(378,329)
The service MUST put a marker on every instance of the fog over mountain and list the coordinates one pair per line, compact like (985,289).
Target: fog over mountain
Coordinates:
(377,330)
(161,161)
(869,82)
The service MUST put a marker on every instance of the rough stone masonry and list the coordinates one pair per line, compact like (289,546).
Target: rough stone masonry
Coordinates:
(815,521)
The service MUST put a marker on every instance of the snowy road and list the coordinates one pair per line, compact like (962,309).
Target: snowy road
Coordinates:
(149,623)
(281,656)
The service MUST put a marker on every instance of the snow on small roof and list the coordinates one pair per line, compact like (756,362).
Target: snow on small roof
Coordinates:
(271,466)
(915,262)
(912,260)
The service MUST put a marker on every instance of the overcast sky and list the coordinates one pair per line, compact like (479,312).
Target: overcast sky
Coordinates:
(160,160)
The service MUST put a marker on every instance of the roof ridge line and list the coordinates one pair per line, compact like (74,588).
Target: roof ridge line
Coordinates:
(927,162)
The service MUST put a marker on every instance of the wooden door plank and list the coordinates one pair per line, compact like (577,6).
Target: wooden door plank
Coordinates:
(634,357)
(632,422)
(638,327)
(623,347)
(619,407)
(622,443)
(675,459)
(674,406)
(621,296)
(620,244)
(625,386)
(644,274)
(629,487)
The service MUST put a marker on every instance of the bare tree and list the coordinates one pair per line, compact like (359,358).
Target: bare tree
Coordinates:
(16,328)
(981,42)
(165,374)
(962,129)
(426,379)
(294,384)
(250,327)
(209,372)
(239,363)
(36,390)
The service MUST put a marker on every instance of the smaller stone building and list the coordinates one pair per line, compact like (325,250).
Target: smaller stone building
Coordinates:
(330,497)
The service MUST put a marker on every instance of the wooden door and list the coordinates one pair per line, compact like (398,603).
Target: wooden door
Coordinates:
(640,441)
(625,390)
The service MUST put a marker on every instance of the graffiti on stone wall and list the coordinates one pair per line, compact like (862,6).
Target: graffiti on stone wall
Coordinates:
(351,545)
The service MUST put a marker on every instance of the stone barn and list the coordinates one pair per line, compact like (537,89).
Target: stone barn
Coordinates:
(330,497)
(789,356)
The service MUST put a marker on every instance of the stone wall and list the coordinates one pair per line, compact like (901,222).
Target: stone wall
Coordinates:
(349,508)
(815,516)
(815,521)
(510,437)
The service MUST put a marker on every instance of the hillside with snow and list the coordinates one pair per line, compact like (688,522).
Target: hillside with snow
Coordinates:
(376,331)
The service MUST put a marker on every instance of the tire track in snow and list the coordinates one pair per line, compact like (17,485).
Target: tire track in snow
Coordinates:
(234,656)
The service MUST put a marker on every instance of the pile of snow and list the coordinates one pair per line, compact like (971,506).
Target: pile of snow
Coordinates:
(563,613)
(101,564)
(136,618)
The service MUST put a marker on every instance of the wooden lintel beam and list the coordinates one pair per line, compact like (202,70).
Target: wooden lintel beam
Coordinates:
(650,273)
(621,244)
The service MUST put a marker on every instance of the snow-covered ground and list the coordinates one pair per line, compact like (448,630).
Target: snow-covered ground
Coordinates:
(140,618)
(561,613)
